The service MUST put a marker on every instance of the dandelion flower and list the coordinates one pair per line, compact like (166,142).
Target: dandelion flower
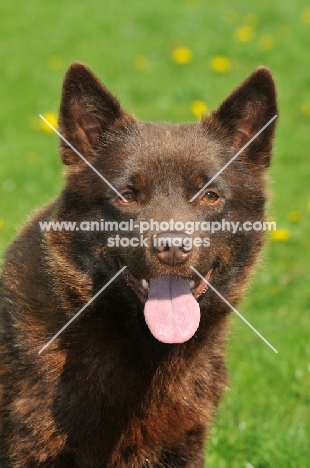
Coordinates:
(266,42)
(51,117)
(182,55)
(280,235)
(305,16)
(55,62)
(294,216)
(244,34)
(199,108)
(220,64)
(140,62)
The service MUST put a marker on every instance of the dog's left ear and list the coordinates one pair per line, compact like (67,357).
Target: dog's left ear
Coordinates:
(245,112)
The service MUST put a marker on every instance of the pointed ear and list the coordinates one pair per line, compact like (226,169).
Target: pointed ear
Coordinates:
(245,112)
(87,112)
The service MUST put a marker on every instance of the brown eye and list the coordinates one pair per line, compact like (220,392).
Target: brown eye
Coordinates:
(210,197)
(129,198)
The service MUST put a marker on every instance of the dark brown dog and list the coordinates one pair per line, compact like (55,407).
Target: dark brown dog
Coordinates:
(127,384)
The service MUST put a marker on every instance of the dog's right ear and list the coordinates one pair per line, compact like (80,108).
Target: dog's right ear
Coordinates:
(87,112)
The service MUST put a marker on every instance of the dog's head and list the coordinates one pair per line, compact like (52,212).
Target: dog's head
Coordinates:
(174,189)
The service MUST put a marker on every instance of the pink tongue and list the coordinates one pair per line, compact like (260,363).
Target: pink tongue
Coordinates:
(171,312)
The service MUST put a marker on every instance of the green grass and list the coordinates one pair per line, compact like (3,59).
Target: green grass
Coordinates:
(264,417)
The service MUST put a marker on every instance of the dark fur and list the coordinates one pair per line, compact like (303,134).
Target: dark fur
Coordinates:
(106,393)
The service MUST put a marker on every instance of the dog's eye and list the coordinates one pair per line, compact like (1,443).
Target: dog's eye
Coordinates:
(129,197)
(210,197)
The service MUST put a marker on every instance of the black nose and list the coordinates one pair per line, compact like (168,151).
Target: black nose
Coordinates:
(172,248)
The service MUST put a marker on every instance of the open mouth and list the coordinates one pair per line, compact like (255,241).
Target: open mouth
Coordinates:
(141,287)
(171,310)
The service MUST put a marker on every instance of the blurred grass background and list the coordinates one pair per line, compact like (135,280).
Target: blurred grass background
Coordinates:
(169,61)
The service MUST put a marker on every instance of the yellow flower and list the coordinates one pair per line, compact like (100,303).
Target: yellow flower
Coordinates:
(266,42)
(199,108)
(305,16)
(305,109)
(231,16)
(244,34)
(280,235)
(1,223)
(182,55)
(294,216)
(140,62)
(51,117)
(220,64)
(55,62)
